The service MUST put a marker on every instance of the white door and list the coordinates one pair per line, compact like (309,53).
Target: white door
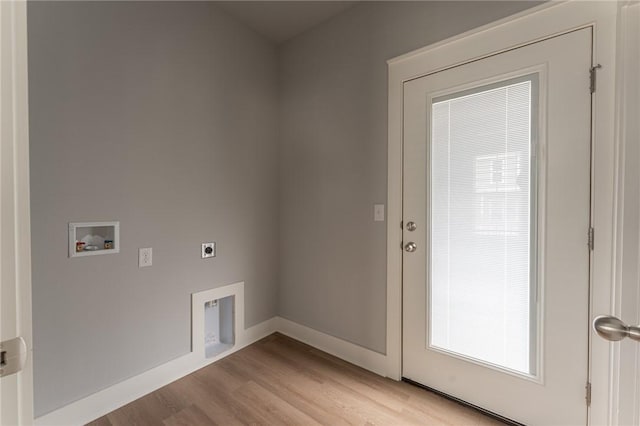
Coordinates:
(626,353)
(16,387)
(628,410)
(496,213)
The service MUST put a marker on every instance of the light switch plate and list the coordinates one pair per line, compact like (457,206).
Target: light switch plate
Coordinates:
(208,250)
(378,212)
(145,257)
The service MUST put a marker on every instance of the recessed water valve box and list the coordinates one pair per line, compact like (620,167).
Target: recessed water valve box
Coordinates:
(91,238)
(208,250)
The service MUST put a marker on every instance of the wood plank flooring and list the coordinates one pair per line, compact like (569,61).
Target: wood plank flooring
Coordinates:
(279,381)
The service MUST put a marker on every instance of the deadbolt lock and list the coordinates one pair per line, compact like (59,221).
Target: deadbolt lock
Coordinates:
(411,247)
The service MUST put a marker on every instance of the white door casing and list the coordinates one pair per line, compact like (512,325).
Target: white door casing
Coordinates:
(558,265)
(535,24)
(16,391)
(626,354)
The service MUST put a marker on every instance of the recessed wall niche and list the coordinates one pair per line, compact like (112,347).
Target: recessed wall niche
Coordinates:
(219,329)
(217,316)
(93,238)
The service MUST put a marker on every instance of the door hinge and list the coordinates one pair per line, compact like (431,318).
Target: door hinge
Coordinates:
(590,238)
(402,224)
(592,77)
(13,356)
(588,394)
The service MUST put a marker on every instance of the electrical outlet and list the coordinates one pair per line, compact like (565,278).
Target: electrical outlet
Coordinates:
(145,257)
(208,250)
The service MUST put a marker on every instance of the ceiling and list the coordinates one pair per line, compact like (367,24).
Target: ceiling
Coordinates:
(281,20)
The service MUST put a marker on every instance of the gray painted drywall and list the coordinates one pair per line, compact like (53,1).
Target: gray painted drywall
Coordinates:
(333,158)
(162,116)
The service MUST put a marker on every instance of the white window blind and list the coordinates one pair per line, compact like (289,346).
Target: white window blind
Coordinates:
(482,225)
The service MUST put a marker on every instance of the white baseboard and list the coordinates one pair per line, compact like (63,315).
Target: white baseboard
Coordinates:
(358,355)
(100,403)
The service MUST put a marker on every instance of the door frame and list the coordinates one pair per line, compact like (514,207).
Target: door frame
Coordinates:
(539,23)
(14,114)
(626,372)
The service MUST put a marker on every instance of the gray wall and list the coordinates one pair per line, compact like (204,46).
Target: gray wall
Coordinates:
(333,157)
(162,116)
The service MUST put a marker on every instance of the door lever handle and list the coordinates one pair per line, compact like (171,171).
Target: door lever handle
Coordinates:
(613,329)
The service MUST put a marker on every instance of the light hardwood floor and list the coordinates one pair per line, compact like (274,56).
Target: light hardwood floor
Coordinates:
(279,381)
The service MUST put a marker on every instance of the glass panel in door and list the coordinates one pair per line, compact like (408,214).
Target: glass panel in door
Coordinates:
(482,222)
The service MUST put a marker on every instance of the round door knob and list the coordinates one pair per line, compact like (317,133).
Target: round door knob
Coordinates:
(410,247)
(610,328)
(411,226)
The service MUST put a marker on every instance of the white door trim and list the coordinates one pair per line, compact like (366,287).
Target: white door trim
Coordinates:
(626,377)
(16,223)
(536,24)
